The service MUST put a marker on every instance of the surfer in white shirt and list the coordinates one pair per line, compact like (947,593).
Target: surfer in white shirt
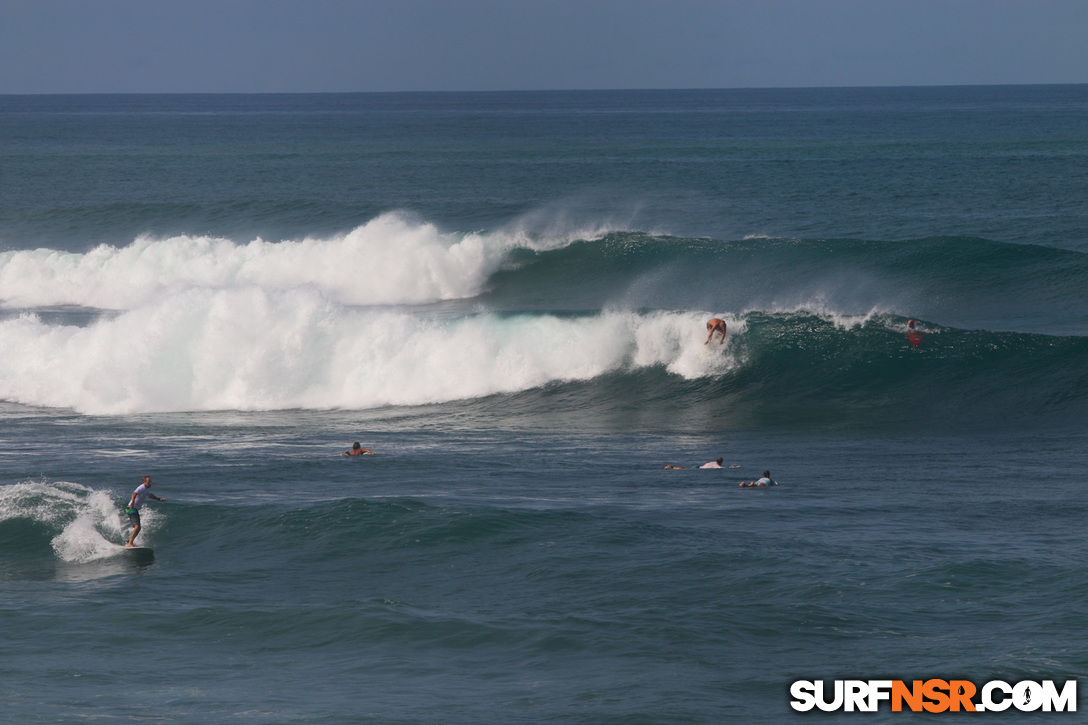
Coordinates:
(143,491)
(713,464)
(765,481)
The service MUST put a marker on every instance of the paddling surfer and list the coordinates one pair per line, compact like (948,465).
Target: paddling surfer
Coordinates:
(358,450)
(765,481)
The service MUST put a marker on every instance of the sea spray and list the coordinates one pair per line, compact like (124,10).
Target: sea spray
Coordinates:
(84,523)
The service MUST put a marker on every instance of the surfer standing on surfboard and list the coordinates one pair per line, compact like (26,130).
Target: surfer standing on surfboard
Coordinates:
(715,325)
(142,492)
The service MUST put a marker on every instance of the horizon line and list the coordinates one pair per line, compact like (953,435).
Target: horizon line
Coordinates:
(539,90)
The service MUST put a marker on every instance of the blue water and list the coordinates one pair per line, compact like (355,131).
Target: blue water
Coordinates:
(504,296)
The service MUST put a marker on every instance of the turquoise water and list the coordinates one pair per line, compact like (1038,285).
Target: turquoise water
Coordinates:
(504,296)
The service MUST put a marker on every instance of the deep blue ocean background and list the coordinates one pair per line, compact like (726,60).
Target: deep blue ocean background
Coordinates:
(504,295)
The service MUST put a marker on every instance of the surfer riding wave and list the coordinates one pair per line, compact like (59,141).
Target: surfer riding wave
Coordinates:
(713,325)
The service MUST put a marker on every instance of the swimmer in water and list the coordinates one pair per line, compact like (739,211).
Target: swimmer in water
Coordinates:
(715,325)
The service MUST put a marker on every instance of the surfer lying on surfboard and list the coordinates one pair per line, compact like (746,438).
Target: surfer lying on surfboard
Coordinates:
(358,450)
(143,491)
(765,481)
(717,463)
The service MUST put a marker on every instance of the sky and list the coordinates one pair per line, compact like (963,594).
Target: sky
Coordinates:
(264,46)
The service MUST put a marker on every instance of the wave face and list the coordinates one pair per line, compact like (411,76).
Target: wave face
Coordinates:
(397,313)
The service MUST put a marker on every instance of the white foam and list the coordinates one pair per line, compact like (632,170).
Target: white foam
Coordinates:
(89,519)
(390,260)
(820,306)
(255,349)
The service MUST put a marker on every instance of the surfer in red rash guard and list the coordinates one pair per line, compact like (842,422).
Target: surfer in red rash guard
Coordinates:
(914,332)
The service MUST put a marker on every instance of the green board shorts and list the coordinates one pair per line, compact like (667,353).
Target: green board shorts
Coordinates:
(133,516)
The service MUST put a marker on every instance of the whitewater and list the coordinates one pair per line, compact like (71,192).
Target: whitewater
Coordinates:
(206,324)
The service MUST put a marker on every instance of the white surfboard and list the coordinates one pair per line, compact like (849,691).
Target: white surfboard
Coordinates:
(140,553)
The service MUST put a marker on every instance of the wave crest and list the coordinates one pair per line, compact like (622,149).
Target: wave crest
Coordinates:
(392,259)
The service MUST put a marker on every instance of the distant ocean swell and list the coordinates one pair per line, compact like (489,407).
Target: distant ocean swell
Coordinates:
(399,313)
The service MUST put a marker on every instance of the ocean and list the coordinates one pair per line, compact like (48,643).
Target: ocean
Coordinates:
(504,296)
